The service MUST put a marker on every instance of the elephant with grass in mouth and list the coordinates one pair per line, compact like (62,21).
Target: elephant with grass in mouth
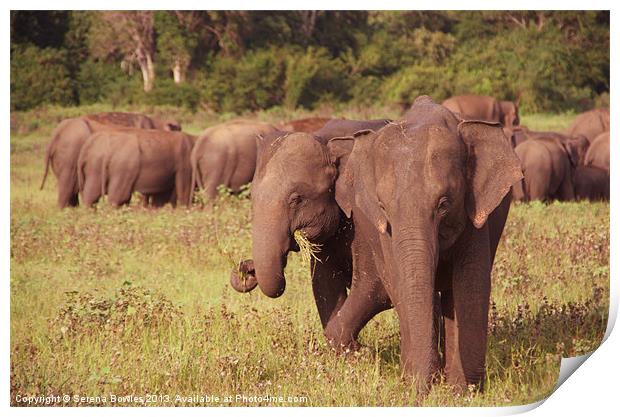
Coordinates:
(418,208)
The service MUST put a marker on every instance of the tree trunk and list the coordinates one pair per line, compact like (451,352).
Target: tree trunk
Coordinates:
(147,67)
(178,71)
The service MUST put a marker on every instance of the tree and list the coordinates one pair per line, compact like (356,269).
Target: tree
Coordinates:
(129,35)
(177,38)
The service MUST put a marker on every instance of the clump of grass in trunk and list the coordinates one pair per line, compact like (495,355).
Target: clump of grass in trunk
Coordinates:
(307,249)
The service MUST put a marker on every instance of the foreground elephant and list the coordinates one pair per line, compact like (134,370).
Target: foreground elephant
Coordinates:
(430,196)
(484,108)
(290,167)
(598,153)
(118,162)
(590,124)
(591,183)
(548,165)
(419,218)
(226,154)
(308,125)
(67,140)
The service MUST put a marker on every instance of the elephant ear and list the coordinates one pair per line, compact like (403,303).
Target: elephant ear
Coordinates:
(340,150)
(492,168)
(571,151)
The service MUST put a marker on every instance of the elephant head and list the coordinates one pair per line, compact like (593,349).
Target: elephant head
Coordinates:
(293,189)
(576,148)
(419,183)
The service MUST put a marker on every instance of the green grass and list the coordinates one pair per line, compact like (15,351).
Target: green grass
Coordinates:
(137,301)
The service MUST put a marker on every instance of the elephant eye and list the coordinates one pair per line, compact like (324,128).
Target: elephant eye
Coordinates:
(443,205)
(295,199)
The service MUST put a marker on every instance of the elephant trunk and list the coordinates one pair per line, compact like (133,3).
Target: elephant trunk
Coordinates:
(416,254)
(243,278)
(269,249)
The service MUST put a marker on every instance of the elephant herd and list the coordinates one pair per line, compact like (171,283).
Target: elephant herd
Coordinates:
(117,154)
(570,165)
(408,213)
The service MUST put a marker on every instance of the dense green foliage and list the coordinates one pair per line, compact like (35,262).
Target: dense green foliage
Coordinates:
(235,61)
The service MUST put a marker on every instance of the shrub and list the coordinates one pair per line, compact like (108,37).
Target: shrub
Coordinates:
(39,76)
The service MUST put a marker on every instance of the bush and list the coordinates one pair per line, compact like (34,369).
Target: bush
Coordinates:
(39,76)
(252,83)
(98,81)
(166,92)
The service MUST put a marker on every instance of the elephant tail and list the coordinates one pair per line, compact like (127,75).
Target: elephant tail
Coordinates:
(196,180)
(48,157)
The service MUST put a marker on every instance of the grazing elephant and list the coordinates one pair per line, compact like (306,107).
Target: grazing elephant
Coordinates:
(598,153)
(301,199)
(577,145)
(118,162)
(226,154)
(591,183)
(138,120)
(429,197)
(590,124)
(307,125)
(67,140)
(548,167)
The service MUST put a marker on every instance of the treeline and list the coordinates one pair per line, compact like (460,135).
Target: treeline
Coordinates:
(233,61)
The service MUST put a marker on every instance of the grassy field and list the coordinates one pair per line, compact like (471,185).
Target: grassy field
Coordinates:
(137,302)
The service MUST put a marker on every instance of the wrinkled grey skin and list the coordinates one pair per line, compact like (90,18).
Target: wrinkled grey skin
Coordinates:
(118,162)
(591,183)
(429,195)
(69,137)
(225,154)
(598,154)
(590,124)
(548,165)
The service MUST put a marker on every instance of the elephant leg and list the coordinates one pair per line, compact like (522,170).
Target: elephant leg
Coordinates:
(67,188)
(182,187)
(119,191)
(537,189)
(566,192)
(330,290)
(364,301)
(465,311)
(91,192)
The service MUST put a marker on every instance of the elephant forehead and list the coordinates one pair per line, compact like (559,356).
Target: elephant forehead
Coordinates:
(426,144)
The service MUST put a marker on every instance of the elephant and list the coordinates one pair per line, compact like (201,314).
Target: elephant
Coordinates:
(578,145)
(548,165)
(591,183)
(226,154)
(429,196)
(138,120)
(484,108)
(67,140)
(321,220)
(590,124)
(333,198)
(119,161)
(309,124)
(598,153)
